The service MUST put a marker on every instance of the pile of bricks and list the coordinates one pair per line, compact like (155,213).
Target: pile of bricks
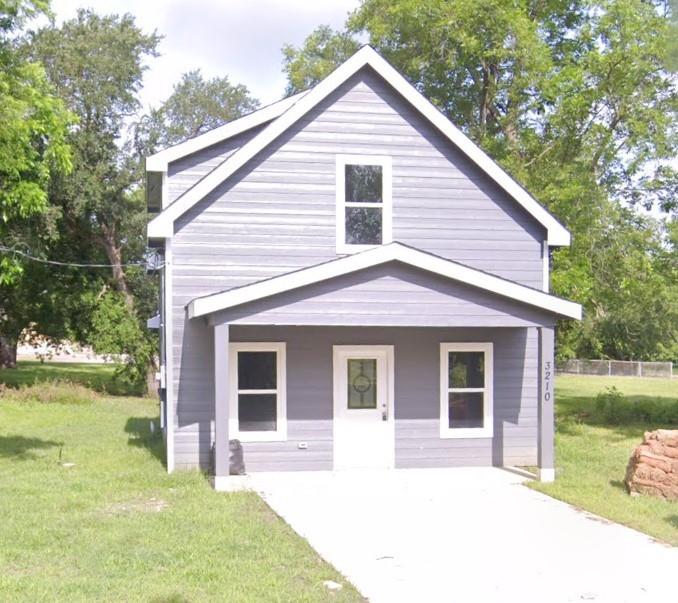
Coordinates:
(653,467)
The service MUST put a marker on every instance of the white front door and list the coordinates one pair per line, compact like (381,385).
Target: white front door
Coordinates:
(363,407)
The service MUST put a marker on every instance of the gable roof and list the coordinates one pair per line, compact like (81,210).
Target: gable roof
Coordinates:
(393,252)
(160,160)
(163,224)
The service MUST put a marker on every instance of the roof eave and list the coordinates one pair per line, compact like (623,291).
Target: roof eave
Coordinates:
(159,161)
(557,235)
(203,306)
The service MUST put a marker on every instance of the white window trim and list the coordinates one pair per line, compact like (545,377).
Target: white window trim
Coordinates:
(487,430)
(386,204)
(280,434)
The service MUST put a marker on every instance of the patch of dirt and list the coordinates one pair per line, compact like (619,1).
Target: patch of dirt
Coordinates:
(149,505)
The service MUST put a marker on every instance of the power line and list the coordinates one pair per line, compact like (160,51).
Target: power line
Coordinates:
(71,264)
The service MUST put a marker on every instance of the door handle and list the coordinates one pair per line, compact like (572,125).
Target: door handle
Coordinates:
(384,416)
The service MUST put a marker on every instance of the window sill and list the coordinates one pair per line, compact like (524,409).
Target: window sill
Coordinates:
(466,433)
(349,249)
(259,436)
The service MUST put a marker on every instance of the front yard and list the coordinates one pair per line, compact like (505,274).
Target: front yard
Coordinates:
(591,456)
(89,514)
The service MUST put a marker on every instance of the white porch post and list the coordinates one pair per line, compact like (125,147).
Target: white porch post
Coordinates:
(221,451)
(547,471)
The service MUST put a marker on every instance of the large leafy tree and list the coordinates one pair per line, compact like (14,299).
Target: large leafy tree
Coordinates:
(321,52)
(95,64)
(195,106)
(34,124)
(576,100)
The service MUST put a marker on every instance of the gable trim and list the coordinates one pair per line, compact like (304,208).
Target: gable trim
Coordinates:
(202,306)
(163,224)
(159,161)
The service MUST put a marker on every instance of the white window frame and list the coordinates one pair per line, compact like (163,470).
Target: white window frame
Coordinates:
(386,201)
(280,434)
(487,430)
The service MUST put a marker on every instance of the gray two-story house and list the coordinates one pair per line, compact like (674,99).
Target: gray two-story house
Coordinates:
(349,282)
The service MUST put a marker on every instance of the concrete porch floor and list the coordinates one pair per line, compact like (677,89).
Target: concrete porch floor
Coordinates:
(466,534)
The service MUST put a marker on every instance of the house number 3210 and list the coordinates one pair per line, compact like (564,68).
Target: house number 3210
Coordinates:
(548,375)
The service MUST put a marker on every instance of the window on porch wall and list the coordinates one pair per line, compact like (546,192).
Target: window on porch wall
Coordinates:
(257,392)
(466,392)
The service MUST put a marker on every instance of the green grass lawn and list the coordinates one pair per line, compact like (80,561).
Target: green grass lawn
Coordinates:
(115,527)
(99,377)
(591,457)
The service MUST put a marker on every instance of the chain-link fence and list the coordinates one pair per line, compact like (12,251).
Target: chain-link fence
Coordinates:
(616,368)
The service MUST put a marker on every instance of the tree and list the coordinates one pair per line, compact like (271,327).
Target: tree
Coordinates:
(32,146)
(573,98)
(95,64)
(323,50)
(195,106)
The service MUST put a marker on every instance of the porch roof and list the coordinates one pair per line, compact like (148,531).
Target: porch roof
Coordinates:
(394,252)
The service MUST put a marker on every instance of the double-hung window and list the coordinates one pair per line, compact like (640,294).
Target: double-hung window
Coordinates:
(466,393)
(257,379)
(363,202)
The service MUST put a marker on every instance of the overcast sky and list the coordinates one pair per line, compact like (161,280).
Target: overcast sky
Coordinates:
(238,38)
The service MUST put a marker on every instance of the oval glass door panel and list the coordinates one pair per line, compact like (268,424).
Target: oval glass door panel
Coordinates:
(362,383)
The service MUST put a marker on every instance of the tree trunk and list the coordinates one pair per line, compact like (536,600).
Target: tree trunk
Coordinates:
(484,99)
(8,346)
(114,253)
(152,385)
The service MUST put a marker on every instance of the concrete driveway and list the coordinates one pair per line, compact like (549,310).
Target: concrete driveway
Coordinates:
(466,535)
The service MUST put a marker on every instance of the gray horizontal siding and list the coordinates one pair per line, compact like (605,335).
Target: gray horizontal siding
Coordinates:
(277,214)
(309,398)
(418,442)
(283,203)
(183,173)
(389,295)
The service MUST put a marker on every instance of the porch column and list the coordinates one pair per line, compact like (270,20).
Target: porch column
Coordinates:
(221,452)
(547,471)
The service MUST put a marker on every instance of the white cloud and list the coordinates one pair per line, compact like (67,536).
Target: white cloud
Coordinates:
(238,38)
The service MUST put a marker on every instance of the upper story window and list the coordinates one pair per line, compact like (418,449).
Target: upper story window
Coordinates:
(363,202)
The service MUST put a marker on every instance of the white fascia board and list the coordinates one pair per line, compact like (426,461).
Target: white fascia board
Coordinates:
(380,255)
(159,161)
(163,223)
(160,229)
(557,234)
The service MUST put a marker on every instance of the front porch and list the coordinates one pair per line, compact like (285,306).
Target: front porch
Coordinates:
(454,366)
(302,433)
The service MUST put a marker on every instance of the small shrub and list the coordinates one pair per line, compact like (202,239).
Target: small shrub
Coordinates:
(613,408)
(50,392)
